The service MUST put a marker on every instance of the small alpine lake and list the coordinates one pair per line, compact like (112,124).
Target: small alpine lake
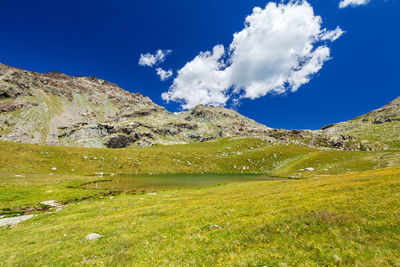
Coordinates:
(159,182)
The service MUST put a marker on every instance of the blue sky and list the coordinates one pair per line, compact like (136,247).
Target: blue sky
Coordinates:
(103,39)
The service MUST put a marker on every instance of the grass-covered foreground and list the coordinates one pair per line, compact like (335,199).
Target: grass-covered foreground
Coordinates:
(345,211)
(350,219)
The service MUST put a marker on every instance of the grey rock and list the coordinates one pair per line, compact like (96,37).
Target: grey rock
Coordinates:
(93,236)
(15,220)
(51,203)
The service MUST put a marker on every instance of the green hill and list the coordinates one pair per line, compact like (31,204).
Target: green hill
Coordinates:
(380,126)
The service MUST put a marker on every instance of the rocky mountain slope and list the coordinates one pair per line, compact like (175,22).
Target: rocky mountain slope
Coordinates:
(57,109)
(380,126)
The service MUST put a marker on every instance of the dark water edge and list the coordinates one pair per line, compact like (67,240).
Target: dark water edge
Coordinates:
(159,182)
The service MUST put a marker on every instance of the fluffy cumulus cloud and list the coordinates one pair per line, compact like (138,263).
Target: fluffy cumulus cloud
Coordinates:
(279,49)
(164,74)
(201,81)
(346,3)
(152,59)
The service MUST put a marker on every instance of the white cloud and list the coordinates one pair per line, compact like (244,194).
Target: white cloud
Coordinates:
(152,59)
(346,3)
(201,81)
(164,74)
(279,49)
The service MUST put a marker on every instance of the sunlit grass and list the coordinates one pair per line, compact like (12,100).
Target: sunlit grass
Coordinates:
(343,220)
(228,155)
(28,190)
(28,172)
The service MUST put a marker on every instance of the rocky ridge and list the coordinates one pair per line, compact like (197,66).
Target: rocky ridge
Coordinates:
(380,127)
(57,109)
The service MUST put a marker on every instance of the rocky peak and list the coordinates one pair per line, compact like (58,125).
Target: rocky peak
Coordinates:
(15,82)
(393,103)
(388,113)
(380,127)
(212,113)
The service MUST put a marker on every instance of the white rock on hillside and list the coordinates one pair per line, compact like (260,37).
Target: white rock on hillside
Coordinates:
(51,203)
(93,236)
(14,220)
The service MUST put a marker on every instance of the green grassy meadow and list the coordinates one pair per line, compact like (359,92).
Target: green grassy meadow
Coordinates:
(29,172)
(345,212)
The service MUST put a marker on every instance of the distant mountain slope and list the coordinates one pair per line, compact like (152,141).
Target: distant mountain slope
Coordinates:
(378,126)
(57,109)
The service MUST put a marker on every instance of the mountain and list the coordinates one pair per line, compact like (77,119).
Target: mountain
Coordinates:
(57,109)
(380,126)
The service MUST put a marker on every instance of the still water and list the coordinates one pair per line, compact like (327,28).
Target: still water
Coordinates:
(153,183)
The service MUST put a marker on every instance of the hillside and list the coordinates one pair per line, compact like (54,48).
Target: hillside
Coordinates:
(57,109)
(378,126)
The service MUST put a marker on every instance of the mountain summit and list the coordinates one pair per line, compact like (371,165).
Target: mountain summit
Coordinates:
(57,109)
